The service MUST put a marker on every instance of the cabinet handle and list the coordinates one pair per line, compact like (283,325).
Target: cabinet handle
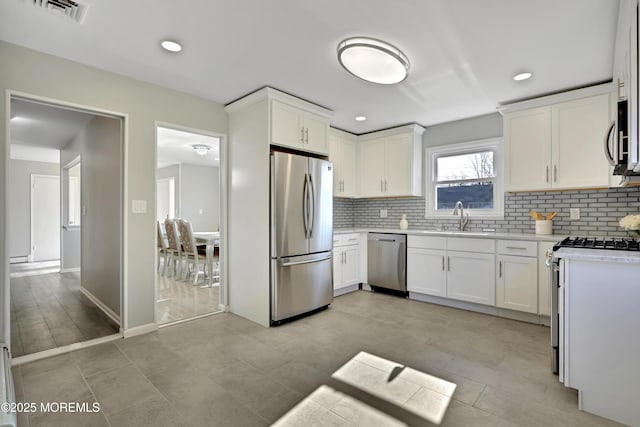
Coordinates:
(500,269)
(547,174)
(442,262)
(448,263)
(517,247)
(302,135)
(344,257)
(381,186)
(555,173)
(306,135)
(385,185)
(343,185)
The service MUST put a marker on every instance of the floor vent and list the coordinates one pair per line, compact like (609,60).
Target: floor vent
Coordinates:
(68,8)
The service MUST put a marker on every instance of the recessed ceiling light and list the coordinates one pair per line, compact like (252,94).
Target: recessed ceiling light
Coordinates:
(171,46)
(373,60)
(522,76)
(361,118)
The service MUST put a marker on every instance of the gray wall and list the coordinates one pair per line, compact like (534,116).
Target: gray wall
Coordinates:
(600,209)
(70,236)
(20,202)
(172,171)
(200,190)
(144,105)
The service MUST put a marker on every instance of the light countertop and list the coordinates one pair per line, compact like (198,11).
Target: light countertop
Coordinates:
(452,233)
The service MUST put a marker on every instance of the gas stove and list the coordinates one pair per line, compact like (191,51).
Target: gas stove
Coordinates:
(615,243)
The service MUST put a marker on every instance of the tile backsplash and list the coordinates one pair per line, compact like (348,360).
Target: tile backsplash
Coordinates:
(600,211)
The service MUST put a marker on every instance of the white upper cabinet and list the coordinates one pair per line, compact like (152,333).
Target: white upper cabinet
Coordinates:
(296,128)
(342,152)
(390,163)
(558,146)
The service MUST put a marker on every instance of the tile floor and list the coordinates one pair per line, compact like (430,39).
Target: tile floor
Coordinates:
(48,311)
(178,300)
(369,360)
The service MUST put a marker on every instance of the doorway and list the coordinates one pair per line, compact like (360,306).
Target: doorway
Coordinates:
(79,298)
(189,189)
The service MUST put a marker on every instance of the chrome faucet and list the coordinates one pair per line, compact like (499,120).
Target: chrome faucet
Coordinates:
(463,219)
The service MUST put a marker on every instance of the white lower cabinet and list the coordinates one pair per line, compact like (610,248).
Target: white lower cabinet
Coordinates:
(346,261)
(462,275)
(426,272)
(517,278)
(471,277)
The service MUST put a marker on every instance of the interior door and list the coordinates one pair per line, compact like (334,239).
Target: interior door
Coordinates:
(321,178)
(288,192)
(45,217)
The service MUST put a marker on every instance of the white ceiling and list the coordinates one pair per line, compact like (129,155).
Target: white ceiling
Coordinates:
(42,125)
(176,146)
(463,53)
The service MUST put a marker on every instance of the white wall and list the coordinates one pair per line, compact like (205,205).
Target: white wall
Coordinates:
(200,196)
(144,104)
(71,246)
(20,202)
(172,171)
(472,129)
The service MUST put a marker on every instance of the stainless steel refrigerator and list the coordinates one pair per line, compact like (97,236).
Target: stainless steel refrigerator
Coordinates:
(301,234)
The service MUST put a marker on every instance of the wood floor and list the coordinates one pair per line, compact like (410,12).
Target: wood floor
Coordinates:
(48,311)
(369,360)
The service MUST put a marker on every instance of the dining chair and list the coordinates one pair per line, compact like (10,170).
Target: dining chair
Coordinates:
(162,248)
(194,255)
(174,248)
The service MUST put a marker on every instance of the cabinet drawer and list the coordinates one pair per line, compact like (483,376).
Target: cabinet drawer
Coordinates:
(518,248)
(471,245)
(346,239)
(427,242)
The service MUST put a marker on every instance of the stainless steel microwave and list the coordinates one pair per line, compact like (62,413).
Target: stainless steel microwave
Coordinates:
(616,143)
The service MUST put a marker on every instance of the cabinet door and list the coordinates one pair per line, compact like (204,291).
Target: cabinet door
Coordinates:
(286,125)
(528,149)
(338,257)
(517,283)
(544,279)
(577,143)
(399,165)
(348,164)
(335,156)
(426,273)
(351,266)
(371,167)
(471,277)
(316,133)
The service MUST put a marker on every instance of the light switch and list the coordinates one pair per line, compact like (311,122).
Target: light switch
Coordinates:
(383,213)
(138,206)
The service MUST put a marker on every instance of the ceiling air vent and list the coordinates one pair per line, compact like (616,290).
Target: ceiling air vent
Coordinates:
(69,8)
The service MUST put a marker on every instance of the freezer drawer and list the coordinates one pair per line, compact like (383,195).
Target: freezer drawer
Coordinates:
(387,261)
(301,284)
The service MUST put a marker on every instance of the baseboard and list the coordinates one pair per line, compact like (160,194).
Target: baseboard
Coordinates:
(140,330)
(480,308)
(70,270)
(345,290)
(102,306)
(18,259)
(223,308)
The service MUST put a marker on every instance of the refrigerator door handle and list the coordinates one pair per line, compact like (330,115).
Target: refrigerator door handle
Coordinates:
(308,261)
(305,206)
(312,206)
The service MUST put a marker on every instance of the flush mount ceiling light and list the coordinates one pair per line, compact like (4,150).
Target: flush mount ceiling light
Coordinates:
(361,118)
(522,76)
(201,150)
(171,46)
(373,60)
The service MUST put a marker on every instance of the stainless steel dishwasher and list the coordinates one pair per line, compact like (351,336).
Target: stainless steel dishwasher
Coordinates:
(387,261)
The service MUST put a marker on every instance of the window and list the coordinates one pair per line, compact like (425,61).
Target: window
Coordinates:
(469,173)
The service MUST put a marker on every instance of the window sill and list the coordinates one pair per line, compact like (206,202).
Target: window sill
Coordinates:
(71,227)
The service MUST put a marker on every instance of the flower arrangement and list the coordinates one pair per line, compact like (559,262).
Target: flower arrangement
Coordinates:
(631,223)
